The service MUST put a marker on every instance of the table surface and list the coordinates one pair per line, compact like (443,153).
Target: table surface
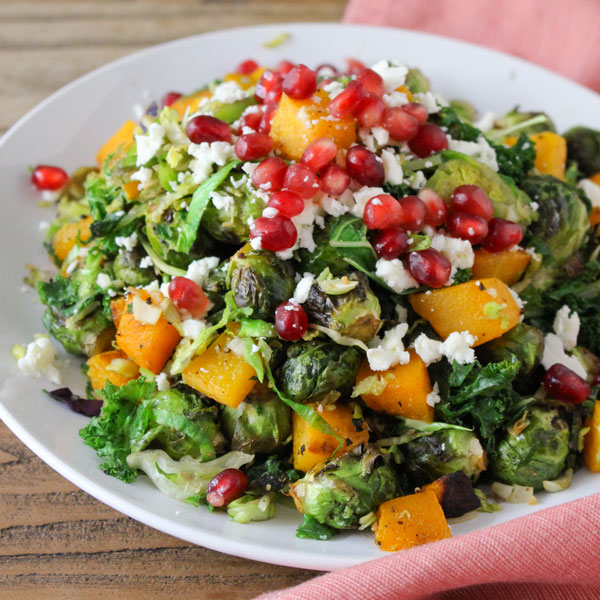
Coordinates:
(57,541)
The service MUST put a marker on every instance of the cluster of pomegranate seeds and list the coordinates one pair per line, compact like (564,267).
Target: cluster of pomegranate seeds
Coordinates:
(205,128)
(276,233)
(382,212)
(300,82)
(269,87)
(302,180)
(226,486)
(365,166)
(429,267)
(429,139)
(562,383)
(291,321)
(269,174)
(252,146)
(391,243)
(334,180)
(502,234)
(46,177)
(169,98)
(319,153)
(188,297)
(436,210)
(286,203)
(247,67)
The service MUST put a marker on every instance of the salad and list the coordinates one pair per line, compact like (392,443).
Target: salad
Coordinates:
(336,290)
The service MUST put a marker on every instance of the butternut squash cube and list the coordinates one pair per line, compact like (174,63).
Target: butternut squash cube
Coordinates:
(506,265)
(311,447)
(190,102)
(113,366)
(591,445)
(405,392)
(485,308)
(64,239)
(220,373)
(297,123)
(122,138)
(410,521)
(551,152)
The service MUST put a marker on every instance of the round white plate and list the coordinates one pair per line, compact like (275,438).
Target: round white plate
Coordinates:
(69,127)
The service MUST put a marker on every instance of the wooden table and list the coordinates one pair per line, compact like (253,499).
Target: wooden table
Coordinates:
(56,541)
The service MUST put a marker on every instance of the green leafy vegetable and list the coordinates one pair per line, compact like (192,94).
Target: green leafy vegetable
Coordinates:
(250,508)
(311,529)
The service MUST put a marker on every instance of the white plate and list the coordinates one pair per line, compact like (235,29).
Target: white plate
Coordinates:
(69,127)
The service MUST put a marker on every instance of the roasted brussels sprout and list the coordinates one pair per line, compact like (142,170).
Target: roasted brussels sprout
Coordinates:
(260,424)
(215,285)
(516,122)
(446,451)
(464,110)
(316,368)
(178,422)
(583,146)
(341,491)
(324,256)
(562,227)
(354,313)
(509,202)
(228,221)
(416,81)
(127,268)
(261,280)
(537,452)
(589,361)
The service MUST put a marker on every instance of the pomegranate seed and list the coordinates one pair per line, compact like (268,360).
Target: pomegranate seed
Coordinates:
(169,98)
(247,67)
(205,128)
(300,83)
(473,200)
(371,112)
(429,267)
(365,166)
(391,243)
(301,179)
(436,210)
(382,212)
(372,82)
(429,139)
(416,110)
(276,233)
(188,297)
(226,486)
(265,122)
(334,180)
(467,227)
(287,203)
(285,66)
(319,154)
(346,103)
(562,383)
(269,87)
(413,213)
(354,66)
(269,174)
(502,234)
(45,177)
(252,120)
(291,321)
(330,70)
(401,126)
(252,146)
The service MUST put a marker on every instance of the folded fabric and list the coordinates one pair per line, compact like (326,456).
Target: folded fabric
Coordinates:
(560,35)
(551,554)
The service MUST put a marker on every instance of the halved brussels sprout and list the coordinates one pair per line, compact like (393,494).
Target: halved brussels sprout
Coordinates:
(416,81)
(583,146)
(324,256)
(127,268)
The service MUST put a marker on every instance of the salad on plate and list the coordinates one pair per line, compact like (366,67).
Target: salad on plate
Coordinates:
(336,290)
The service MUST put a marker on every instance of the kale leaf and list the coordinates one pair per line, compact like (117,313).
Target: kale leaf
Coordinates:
(271,475)
(311,529)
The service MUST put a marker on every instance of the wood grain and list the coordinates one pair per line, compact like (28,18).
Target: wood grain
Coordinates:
(56,541)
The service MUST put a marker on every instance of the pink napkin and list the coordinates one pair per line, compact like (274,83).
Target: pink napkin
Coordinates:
(552,554)
(561,35)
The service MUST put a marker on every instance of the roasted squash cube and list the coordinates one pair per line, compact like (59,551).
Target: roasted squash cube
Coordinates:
(113,366)
(66,237)
(455,494)
(122,139)
(507,265)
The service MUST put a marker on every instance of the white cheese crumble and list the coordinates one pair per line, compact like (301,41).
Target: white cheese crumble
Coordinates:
(303,288)
(458,252)
(394,99)
(256,243)
(393,73)
(486,122)
(198,270)
(39,360)
(554,353)
(206,155)
(270,212)
(383,354)
(380,135)
(429,350)
(149,144)
(304,223)
(433,397)
(591,190)
(520,304)
(457,347)
(146,262)
(127,243)
(333,89)
(192,328)
(566,326)
(103,281)
(392,165)
(481,150)
(401,313)
(249,167)
(162,382)
(362,196)
(332,206)
(143,175)
(222,201)
(395,275)
(228,92)
(429,101)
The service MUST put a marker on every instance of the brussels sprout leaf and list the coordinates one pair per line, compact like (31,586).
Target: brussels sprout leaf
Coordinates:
(311,529)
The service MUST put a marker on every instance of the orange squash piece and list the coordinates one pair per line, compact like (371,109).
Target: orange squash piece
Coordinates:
(311,447)
(410,521)
(149,346)
(117,308)
(220,373)
(131,190)
(595,178)
(591,444)
(245,81)
(123,369)
(507,265)
(192,102)
(485,308)
(297,123)
(405,392)
(551,152)
(64,239)
(595,216)
(122,138)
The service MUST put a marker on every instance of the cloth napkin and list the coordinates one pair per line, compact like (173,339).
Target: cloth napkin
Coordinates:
(553,554)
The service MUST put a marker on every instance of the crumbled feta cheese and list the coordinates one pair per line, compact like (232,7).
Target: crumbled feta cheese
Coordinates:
(401,313)
(270,212)
(149,144)
(222,201)
(433,397)
(362,196)
(395,275)
(392,166)
(517,299)
(481,150)
(486,122)
(192,328)
(429,101)
(143,175)
(393,73)
(249,167)
(103,280)
(303,288)
(395,98)
(153,286)
(429,350)
(146,262)
(228,92)
(591,190)
(380,135)
(416,180)
(198,270)
(458,252)
(554,353)
(457,347)
(205,155)
(333,207)
(383,354)
(256,243)
(333,88)
(304,223)
(162,382)
(566,326)
(127,243)
(39,360)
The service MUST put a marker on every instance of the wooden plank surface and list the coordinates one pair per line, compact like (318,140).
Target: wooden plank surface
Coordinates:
(56,542)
